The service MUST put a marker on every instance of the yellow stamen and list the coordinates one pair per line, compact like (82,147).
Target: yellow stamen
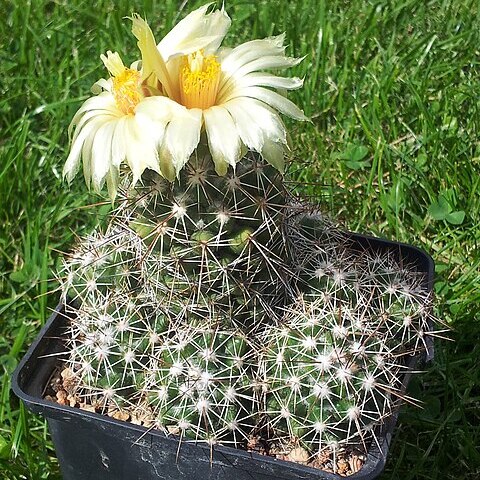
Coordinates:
(127,90)
(199,79)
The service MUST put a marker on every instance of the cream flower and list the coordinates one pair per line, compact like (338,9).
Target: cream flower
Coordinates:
(153,117)
(229,87)
(119,124)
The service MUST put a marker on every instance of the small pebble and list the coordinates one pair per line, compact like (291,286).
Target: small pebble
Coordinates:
(87,408)
(61,397)
(121,415)
(298,455)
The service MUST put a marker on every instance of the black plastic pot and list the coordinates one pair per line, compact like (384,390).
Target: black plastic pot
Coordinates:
(90,446)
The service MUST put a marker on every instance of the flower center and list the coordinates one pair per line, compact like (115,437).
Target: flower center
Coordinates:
(126,90)
(199,79)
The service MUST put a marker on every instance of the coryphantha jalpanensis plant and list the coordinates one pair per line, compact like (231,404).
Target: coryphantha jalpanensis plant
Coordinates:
(333,368)
(215,305)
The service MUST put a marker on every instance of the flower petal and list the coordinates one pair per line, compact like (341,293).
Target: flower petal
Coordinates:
(273,153)
(72,163)
(119,149)
(275,100)
(152,60)
(245,123)
(113,63)
(112,182)
(166,165)
(263,63)
(157,108)
(256,122)
(104,115)
(151,129)
(181,138)
(260,79)
(103,103)
(102,154)
(140,149)
(198,30)
(253,50)
(223,138)
(87,151)
(239,75)
(100,85)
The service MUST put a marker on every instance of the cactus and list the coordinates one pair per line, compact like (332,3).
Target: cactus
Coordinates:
(199,386)
(220,238)
(330,379)
(216,305)
(333,368)
(182,269)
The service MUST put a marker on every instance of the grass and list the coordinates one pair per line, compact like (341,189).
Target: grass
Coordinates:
(393,90)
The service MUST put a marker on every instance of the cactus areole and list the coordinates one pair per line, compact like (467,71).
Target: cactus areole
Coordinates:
(214,309)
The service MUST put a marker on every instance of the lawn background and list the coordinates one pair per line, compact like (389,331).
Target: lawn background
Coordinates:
(393,91)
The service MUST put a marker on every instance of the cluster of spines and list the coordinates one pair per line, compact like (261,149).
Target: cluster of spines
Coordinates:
(392,296)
